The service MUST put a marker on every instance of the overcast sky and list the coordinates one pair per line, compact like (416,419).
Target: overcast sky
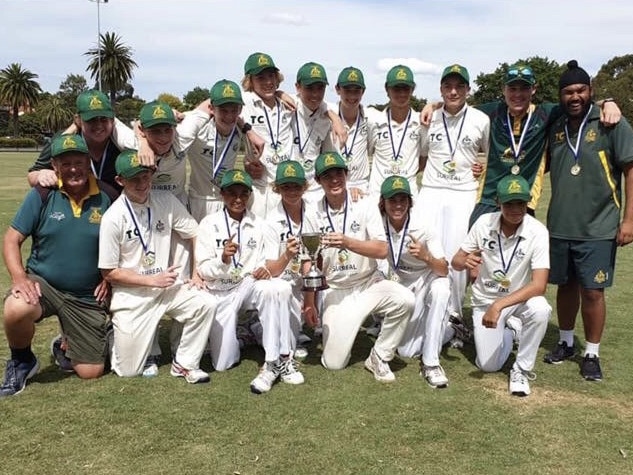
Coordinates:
(180,44)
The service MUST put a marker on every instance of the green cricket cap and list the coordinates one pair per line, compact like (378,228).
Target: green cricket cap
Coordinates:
(236,177)
(156,112)
(329,160)
(226,92)
(351,76)
(393,185)
(457,70)
(68,143)
(290,171)
(400,75)
(257,62)
(311,73)
(513,188)
(128,164)
(92,104)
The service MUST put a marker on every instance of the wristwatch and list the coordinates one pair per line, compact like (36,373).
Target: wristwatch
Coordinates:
(246,127)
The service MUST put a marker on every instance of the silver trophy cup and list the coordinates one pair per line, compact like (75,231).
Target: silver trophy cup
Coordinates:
(314,280)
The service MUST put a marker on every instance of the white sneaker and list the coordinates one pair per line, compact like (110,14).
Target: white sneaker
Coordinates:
(516,326)
(288,370)
(192,376)
(519,382)
(150,370)
(435,376)
(382,371)
(301,353)
(265,379)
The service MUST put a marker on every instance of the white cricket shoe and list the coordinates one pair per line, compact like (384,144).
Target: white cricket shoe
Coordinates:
(519,382)
(265,379)
(192,376)
(435,376)
(288,370)
(380,369)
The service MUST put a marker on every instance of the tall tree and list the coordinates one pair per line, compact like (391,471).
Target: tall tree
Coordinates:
(116,63)
(71,87)
(195,97)
(55,114)
(615,79)
(18,88)
(173,101)
(489,86)
(128,109)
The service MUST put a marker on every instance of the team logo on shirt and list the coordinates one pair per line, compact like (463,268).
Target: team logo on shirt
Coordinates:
(252,243)
(467,141)
(508,156)
(559,137)
(162,178)
(95,216)
(355,227)
(590,136)
(160,226)
(449,167)
(414,135)
(308,165)
(600,277)
(57,216)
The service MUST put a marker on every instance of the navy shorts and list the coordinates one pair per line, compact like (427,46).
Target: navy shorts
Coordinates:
(591,263)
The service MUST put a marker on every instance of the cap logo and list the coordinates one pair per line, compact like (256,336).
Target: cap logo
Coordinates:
(69,142)
(401,75)
(397,184)
(290,171)
(228,91)
(315,72)
(514,187)
(456,69)
(159,113)
(95,103)
(590,136)
(329,160)
(262,60)
(352,76)
(134,160)
(238,176)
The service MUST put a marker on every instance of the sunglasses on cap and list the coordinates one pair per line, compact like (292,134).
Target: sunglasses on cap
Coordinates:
(520,72)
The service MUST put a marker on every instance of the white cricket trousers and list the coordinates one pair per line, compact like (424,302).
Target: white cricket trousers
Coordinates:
(424,334)
(271,298)
(493,345)
(136,313)
(344,311)
(448,212)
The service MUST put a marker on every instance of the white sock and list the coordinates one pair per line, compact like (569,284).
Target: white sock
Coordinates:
(567,336)
(592,349)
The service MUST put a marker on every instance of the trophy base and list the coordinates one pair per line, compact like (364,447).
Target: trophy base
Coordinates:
(314,284)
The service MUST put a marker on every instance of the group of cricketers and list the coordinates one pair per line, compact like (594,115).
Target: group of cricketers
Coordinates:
(409,209)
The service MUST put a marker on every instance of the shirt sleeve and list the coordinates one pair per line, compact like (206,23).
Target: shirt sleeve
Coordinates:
(123,136)
(43,162)
(540,255)
(208,263)
(375,227)
(190,126)
(27,217)
(110,231)
(183,223)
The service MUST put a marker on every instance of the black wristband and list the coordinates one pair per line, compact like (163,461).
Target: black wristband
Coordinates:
(246,127)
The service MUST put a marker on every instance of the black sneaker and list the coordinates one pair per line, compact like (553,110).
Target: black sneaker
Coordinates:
(16,375)
(561,353)
(462,332)
(590,368)
(59,355)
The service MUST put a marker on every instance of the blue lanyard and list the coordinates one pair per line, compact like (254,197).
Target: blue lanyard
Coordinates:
(144,243)
(396,154)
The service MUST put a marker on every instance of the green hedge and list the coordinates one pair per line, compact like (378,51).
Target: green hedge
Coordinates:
(17,142)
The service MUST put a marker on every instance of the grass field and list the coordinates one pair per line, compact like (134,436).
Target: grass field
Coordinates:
(336,423)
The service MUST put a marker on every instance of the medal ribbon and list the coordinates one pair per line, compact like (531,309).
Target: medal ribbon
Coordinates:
(144,243)
(505,267)
(302,147)
(448,136)
(516,147)
(101,164)
(289,221)
(217,165)
(274,139)
(404,134)
(396,259)
(329,218)
(236,263)
(348,151)
(576,149)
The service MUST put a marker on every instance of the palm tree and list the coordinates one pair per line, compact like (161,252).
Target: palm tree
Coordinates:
(18,89)
(116,63)
(55,113)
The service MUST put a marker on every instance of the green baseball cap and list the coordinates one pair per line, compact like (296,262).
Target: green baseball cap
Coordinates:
(513,188)
(351,76)
(257,62)
(328,160)
(457,70)
(226,92)
(128,164)
(236,177)
(520,72)
(290,171)
(92,104)
(394,185)
(311,73)
(400,75)
(68,143)
(156,112)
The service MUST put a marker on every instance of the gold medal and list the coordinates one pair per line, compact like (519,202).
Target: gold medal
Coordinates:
(149,259)
(395,168)
(343,255)
(236,273)
(394,277)
(575,170)
(505,283)
(515,170)
(295,265)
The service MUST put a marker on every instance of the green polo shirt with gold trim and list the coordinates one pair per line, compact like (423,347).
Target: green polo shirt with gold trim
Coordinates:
(65,238)
(586,207)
